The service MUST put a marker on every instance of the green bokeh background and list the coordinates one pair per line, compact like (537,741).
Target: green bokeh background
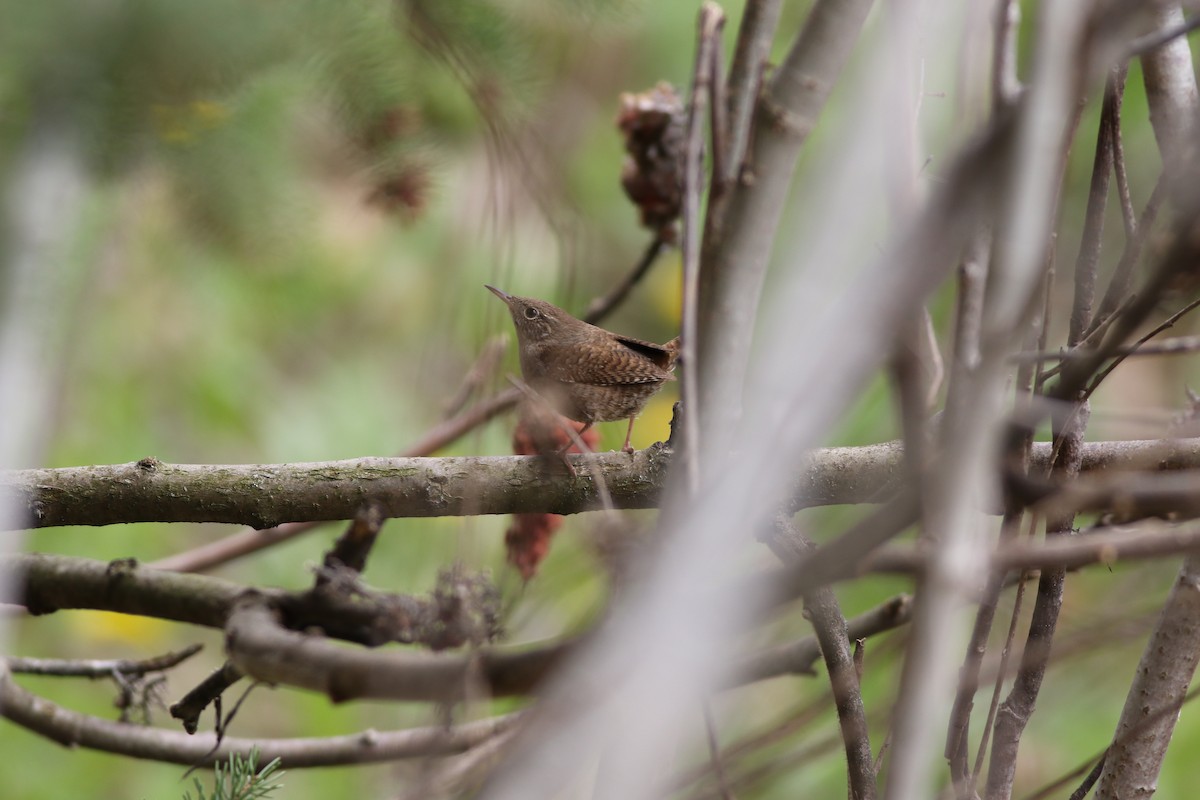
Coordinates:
(246,286)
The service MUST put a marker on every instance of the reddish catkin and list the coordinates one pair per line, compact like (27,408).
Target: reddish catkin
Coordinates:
(528,538)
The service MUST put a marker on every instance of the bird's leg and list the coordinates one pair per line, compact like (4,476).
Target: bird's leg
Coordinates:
(571,440)
(626,448)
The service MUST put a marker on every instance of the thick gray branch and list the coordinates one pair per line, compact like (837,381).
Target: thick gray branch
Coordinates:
(263,495)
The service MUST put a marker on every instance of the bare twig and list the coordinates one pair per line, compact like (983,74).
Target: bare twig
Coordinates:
(73,729)
(601,307)
(99,668)
(189,708)
(790,723)
(351,549)
(1094,775)
(1150,542)
(714,752)
(957,739)
(1128,215)
(718,124)
(1153,41)
(749,58)
(711,22)
(1006,653)
(969,433)
(791,545)
(485,365)
(1122,278)
(1088,260)
(1120,354)
(1175,346)
(1076,374)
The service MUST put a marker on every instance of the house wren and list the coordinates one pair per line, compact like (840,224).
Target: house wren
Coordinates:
(586,373)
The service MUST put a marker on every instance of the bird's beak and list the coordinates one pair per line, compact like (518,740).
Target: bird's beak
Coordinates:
(505,296)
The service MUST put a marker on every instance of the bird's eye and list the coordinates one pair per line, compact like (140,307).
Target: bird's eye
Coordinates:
(532,313)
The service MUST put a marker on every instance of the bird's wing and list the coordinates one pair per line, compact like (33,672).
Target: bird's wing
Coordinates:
(663,355)
(633,362)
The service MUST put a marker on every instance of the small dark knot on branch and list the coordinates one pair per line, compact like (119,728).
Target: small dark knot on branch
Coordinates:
(149,464)
(120,567)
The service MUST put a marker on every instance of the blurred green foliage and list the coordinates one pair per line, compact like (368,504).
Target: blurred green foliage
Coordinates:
(294,210)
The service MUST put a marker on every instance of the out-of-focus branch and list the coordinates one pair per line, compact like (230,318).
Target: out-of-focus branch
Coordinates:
(1005,85)
(484,367)
(476,485)
(46,182)
(735,257)
(456,776)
